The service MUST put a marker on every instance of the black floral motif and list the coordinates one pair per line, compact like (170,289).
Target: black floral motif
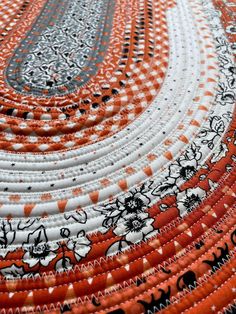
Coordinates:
(128,218)
(15,271)
(135,227)
(65,232)
(215,130)
(228,116)
(225,95)
(116,247)
(231,28)
(79,245)
(219,153)
(25,224)
(229,71)
(37,249)
(7,237)
(167,187)
(77,215)
(222,45)
(186,165)
(189,199)
(63,264)
(136,202)
(179,171)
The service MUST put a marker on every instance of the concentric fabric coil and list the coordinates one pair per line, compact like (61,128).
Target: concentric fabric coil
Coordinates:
(118,150)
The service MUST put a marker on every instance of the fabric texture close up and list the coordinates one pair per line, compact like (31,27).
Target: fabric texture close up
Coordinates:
(117,156)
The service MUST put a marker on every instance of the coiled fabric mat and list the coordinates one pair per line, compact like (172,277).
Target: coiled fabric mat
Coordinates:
(118,150)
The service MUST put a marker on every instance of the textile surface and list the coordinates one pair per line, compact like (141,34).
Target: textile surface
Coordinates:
(117,150)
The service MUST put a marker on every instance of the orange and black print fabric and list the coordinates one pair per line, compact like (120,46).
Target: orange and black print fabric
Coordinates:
(117,156)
